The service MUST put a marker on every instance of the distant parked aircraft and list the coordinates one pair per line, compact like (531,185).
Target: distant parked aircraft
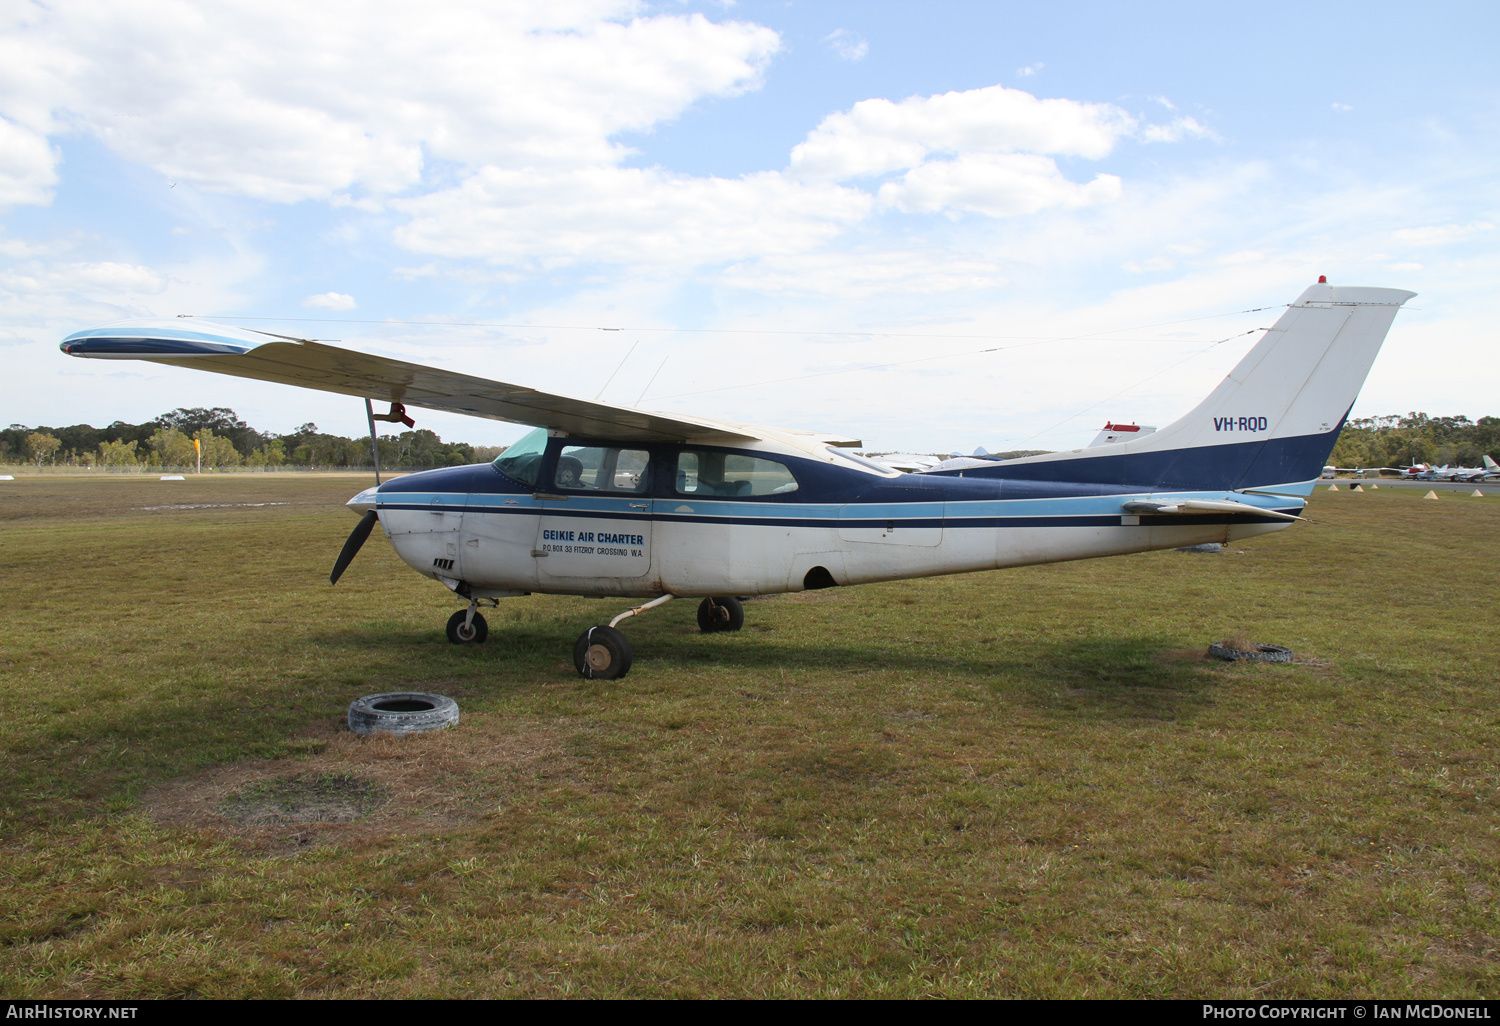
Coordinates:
(1447,473)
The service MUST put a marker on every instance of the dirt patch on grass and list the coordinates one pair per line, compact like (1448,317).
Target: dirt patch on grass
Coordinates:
(305,798)
(351,790)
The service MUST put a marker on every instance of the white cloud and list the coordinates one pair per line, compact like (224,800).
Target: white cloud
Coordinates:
(878,136)
(1029,70)
(494,129)
(864,273)
(849,46)
(28,165)
(100,279)
(1439,234)
(997,185)
(1182,127)
(1342,107)
(286,101)
(330,301)
(640,217)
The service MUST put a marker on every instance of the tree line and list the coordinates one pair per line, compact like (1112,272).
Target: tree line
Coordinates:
(226,442)
(1400,441)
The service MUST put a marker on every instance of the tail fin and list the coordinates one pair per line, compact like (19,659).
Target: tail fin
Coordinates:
(1491,465)
(1272,422)
(1301,379)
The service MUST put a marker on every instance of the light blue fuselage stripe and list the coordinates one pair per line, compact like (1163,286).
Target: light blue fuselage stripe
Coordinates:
(1090,510)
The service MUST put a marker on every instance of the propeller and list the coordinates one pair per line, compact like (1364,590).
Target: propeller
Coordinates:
(351,547)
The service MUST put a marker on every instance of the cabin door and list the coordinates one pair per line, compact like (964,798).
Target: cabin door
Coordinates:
(595,517)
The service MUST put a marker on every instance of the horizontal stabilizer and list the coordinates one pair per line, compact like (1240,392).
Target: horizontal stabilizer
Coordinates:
(246,354)
(1181,507)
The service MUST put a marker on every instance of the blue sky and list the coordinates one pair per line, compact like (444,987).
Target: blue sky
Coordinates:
(805,214)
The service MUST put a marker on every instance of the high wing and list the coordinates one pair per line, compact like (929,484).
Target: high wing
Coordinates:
(265,357)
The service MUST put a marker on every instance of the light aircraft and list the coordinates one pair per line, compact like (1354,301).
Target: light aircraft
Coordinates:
(607,500)
(1415,472)
(1447,473)
(1427,472)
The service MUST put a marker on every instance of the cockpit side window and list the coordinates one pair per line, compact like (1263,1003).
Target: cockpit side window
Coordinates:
(703,472)
(523,460)
(599,468)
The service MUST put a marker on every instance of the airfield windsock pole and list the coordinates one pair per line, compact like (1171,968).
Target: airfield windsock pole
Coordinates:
(198,448)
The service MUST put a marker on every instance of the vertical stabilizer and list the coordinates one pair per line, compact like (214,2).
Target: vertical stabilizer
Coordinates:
(1302,377)
(1272,422)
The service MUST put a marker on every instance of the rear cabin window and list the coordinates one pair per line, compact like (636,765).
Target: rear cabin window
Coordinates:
(599,468)
(731,475)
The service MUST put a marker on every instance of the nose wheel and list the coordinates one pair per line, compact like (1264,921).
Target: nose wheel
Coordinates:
(467,627)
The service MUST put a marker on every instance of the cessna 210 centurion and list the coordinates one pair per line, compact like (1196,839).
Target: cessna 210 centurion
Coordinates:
(605,500)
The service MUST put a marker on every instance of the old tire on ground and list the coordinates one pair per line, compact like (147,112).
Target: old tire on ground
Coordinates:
(401,713)
(602,653)
(720,614)
(473,635)
(1261,653)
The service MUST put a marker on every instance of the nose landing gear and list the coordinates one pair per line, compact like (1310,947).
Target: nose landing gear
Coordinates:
(467,627)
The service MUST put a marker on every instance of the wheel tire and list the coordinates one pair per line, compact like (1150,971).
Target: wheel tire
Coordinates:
(476,633)
(401,713)
(602,653)
(720,614)
(1262,653)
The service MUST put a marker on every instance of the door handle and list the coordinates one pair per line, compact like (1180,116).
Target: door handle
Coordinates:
(640,505)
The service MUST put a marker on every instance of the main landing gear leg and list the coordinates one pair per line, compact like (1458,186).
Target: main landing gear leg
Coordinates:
(467,627)
(603,653)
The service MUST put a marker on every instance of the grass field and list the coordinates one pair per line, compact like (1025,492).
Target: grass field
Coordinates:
(1024,783)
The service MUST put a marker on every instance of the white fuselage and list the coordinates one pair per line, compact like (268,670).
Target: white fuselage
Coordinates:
(505,542)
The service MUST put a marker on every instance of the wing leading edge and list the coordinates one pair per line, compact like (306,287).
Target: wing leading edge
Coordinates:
(247,354)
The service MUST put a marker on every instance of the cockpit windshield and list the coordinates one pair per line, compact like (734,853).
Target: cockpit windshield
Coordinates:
(523,460)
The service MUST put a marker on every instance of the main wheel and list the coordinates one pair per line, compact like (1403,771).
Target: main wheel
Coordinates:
(720,614)
(602,653)
(473,634)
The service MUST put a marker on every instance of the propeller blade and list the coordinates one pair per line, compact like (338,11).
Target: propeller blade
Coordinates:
(351,547)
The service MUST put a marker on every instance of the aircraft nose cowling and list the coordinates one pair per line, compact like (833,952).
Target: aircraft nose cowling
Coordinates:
(364,501)
(445,480)
(423,514)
